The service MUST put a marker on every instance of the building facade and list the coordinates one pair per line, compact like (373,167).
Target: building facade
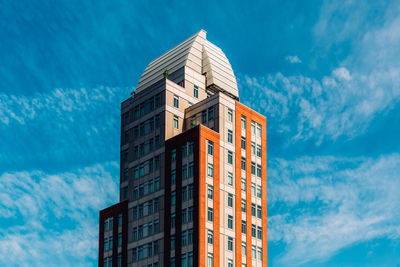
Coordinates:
(193,184)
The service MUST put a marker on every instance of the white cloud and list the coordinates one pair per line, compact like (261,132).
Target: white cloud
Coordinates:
(332,203)
(54,213)
(293,59)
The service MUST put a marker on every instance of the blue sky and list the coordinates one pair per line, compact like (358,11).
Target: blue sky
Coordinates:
(325,73)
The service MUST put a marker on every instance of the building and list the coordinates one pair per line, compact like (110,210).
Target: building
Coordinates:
(193,186)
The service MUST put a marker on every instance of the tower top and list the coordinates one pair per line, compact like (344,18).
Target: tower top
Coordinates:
(198,54)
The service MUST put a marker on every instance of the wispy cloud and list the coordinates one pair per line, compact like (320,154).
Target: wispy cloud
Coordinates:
(332,203)
(293,59)
(54,213)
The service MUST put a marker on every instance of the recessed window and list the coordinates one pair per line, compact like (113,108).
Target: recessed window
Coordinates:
(230,178)
(176,122)
(259,151)
(243,183)
(230,157)
(259,191)
(243,163)
(210,191)
(243,142)
(196,91)
(176,101)
(210,148)
(243,205)
(211,113)
(210,237)
(244,248)
(230,200)
(230,115)
(259,170)
(253,148)
(243,227)
(230,136)
(230,221)
(204,116)
(210,170)
(210,214)
(230,243)
(210,260)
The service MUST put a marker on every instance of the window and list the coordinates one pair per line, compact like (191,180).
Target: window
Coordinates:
(204,116)
(190,214)
(110,243)
(176,101)
(156,226)
(253,252)
(243,227)
(253,230)
(230,243)
(172,242)
(184,193)
(244,248)
(183,238)
(184,172)
(156,183)
(210,147)
(119,239)
(230,200)
(243,163)
(172,262)
(230,263)
(210,260)
(243,142)
(210,193)
(258,130)
(253,189)
(183,260)
(259,212)
(253,148)
(173,155)
(230,157)
(105,244)
(196,91)
(253,168)
(230,138)
(210,237)
(190,169)
(211,113)
(173,198)
(243,205)
(259,191)
(184,216)
(253,128)
(230,178)
(259,232)
(243,122)
(176,122)
(258,150)
(259,253)
(253,209)
(230,115)
(119,260)
(230,221)
(155,247)
(259,170)
(173,176)
(190,236)
(210,170)
(210,214)
(126,137)
(243,183)
(190,259)
(134,254)
(119,219)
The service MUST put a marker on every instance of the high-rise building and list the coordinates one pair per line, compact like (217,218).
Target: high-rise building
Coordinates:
(193,186)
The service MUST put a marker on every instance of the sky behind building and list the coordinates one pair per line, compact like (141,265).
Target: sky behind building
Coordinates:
(326,75)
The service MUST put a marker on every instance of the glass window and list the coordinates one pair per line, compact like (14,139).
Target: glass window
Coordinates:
(243,183)
(190,169)
(211,113)
(176,101)
(253,189)
(253,230)
(173,176)
(173,198)
(210,214)
(243,205)
(230,136)
(230,200)
(230,157)
(259,253)
(230,115)
(230,221)
(210,148)
(173,155)
(259,170)
(253,168)
(190,236)
(183,260)
(190,259)
(258,150)
(173,220)
(258,130)
(244,248)
(210,260)
(253,128)
(210,170)
(243,227)
(243,142)
(243,163)
(253,252)
(259,232)
(230,178)
(259,191)
(253,209)
(230,263)
(196,91)
(259,212)
(210,191)
(204,116)
(210,237)
(230,243)
(243,122)
(176,122)
(183,238)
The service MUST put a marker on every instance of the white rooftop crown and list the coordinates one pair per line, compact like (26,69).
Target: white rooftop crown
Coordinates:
(198,54)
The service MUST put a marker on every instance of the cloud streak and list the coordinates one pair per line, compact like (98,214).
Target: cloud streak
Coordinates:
(332,203)
(56,213)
